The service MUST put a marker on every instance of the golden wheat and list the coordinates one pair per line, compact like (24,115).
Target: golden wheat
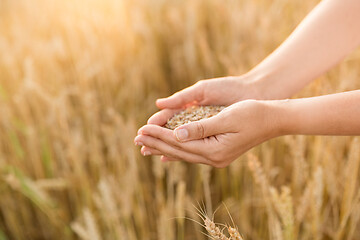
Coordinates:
(78,78)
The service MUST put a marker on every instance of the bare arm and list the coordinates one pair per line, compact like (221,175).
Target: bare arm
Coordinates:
(248,123)
(324,37)
(335,114)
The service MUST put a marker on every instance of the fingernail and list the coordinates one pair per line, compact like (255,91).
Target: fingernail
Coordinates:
(139,144)
(181,134)
(147,153)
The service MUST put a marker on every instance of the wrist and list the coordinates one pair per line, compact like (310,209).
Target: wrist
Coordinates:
(274,82)
(279,117)
(261,84)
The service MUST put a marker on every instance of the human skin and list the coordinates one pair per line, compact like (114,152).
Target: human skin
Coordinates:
(323,39)
(222,139)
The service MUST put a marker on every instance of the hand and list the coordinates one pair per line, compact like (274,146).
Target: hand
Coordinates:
(218,91)
(216,141)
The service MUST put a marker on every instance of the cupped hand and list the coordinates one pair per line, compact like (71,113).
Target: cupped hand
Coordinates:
(216,141)
(218,91)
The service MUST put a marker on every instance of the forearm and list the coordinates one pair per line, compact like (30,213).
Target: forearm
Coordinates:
(325,36)
(336,114)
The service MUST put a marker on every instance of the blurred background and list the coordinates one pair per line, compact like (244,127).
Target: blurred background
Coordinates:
(78,78)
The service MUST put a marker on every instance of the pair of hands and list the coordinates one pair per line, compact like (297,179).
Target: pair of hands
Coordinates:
(216,141)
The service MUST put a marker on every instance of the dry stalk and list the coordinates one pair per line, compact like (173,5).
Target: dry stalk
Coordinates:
(284,206)
(214,231)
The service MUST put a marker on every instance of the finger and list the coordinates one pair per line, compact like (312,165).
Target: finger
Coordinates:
(147,151)
(161,117)
(167,135)
(180,99)
(168,159)
(171,151)
(202,129)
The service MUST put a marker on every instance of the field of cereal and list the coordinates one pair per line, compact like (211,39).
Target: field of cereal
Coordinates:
(78,78)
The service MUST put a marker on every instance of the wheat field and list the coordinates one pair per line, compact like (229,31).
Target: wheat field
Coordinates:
(78,78)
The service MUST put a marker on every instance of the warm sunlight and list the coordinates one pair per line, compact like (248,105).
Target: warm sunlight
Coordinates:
(79,78)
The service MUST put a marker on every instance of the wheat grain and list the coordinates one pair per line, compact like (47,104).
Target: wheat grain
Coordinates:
(214,230)
(191,114)
(234,233)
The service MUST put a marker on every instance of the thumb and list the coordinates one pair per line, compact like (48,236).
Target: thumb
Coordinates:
(199,129)
(181,98)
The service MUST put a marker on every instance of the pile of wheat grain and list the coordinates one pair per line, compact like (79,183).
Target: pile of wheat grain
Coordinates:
(192,114)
